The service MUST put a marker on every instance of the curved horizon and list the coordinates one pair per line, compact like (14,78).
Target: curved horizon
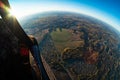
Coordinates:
(24,8)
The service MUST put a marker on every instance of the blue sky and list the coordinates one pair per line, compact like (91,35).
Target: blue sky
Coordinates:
(105,10)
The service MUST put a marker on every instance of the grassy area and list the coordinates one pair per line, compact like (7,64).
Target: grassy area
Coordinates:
(62,39)
(61,36)
(69,44)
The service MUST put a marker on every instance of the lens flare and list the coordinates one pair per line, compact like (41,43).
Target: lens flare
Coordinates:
(8,10)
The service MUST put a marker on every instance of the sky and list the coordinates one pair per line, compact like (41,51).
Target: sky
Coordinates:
(105,10)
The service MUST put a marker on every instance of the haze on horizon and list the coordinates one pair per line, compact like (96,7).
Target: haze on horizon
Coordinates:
(100,9)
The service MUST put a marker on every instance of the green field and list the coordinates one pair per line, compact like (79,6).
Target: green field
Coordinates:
(61,36)
(62,39)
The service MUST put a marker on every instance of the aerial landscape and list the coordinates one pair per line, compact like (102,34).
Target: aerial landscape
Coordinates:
(76,46)
(59,40)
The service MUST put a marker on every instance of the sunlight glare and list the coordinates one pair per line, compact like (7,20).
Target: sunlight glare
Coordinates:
(11,13)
